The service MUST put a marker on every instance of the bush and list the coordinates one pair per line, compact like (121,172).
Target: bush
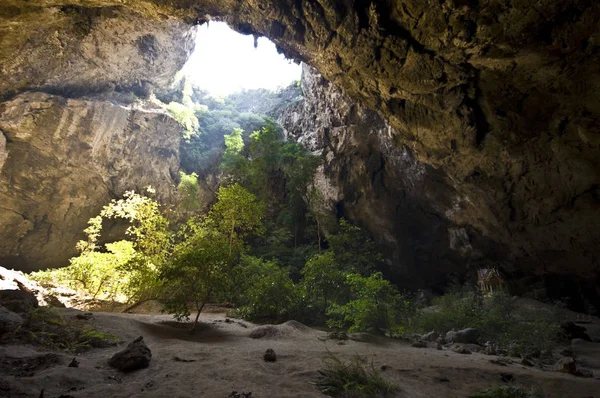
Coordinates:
(507,392)
(376,304)
(494,317)
(268,293)
(357,378)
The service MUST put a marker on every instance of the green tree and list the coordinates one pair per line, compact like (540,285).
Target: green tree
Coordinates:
(323,284)
(237,214)
(127,268)
(266,291)
(200,268)
(375,304)
(186,116)
(233,162)
(355,252)
(148,230)
(189,191)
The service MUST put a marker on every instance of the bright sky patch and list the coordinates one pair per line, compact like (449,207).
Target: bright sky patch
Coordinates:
(225,61)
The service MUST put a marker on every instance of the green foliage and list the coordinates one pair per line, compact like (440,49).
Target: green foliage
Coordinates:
(503,391)
(98,274)
(189,191)
(266,291)
(186,116)
(237,214)
(233,162)
(323,284)
(47,328)
(357,378)
(127,270)
(494,317)
(376,304)
(353,250)
(200,267)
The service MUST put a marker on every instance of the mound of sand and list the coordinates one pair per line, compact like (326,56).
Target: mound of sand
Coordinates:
(284,330)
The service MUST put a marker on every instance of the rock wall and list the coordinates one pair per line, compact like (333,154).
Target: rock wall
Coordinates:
(401,202)
(65,159)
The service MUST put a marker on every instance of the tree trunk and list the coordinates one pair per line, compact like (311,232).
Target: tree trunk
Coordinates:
(200,310)
(136,304)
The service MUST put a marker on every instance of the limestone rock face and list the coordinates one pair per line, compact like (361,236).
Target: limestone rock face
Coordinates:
(405,205)
(65,159)
(75,50)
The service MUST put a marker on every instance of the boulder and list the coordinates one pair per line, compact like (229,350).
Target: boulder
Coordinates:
(430,337)
(573,331)
(137,355)
(419,344)
(465,336)
(9,321)
(19,301)
(566,365)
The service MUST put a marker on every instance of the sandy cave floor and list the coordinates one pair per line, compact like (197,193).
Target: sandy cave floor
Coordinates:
(222,357)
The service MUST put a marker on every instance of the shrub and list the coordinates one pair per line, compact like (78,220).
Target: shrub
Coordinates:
(493,316)
(357,378)
(376,304)
(267,292)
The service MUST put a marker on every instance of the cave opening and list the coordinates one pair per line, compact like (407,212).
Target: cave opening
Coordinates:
(225,61)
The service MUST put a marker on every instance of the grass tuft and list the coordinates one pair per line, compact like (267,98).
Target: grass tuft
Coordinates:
(47,328)
(356,378)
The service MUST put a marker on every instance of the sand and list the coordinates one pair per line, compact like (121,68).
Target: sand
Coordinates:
(228,356)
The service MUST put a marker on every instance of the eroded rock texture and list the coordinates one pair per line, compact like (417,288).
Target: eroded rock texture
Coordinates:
(65,159)
(400,201)
(499,96)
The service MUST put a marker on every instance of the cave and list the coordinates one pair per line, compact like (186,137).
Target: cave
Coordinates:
(458,134)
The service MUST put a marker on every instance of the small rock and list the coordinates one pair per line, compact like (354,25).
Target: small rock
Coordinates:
(507,377)
(419,344)
(9,321)
(566,365)
(385,367)
(86,316)
(441,340)
(431,336)
(584,373)
(439,346)
(460,349)
(337,336)
(466,336)
(74,363)
(137,355)
(235,394)
(270,356)
(573,331)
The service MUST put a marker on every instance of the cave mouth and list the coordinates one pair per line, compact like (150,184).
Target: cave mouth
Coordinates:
(224,62)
